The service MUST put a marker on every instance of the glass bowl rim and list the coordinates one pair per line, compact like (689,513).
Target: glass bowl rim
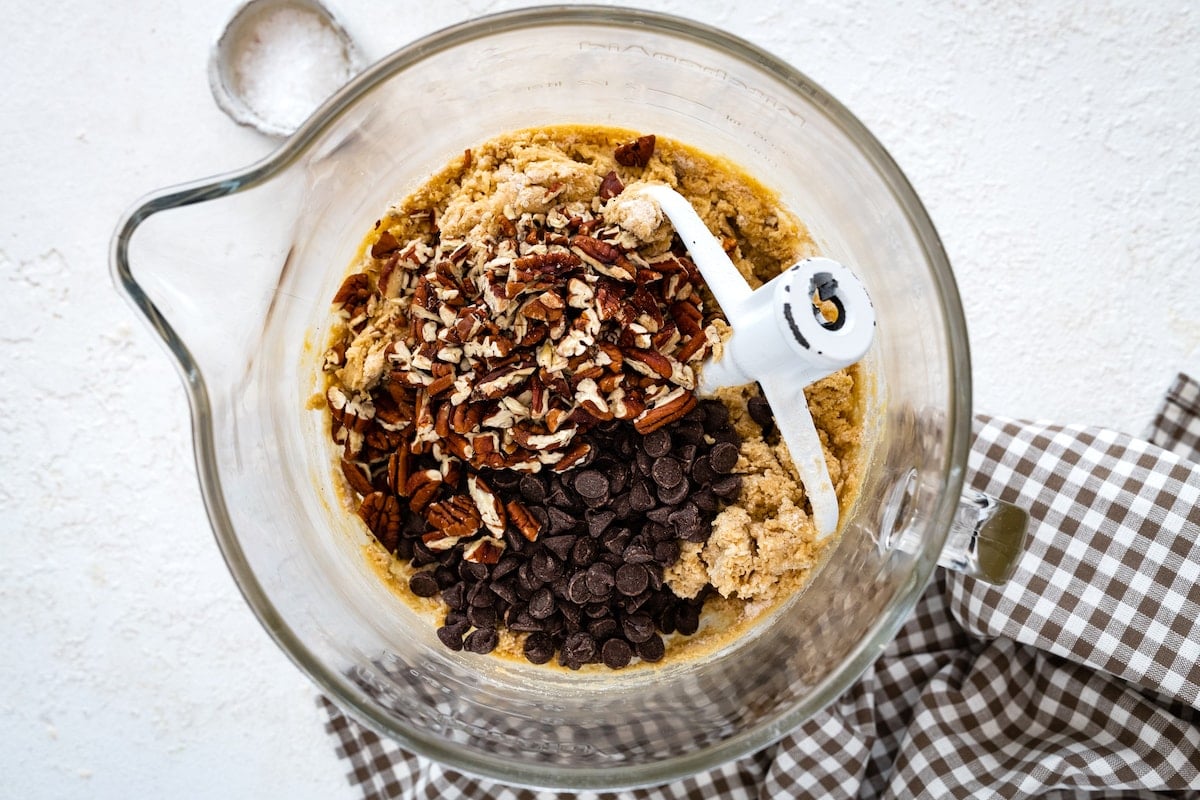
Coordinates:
(345,693)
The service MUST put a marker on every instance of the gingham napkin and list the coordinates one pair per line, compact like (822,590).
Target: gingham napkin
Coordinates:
(1078,678)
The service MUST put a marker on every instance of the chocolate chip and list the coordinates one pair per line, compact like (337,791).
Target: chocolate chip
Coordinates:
(560,546)
(456,596)
(524,622)
(687,619)
(716,415)
(600,580)
(577,589)
(591,484)
(687,522)
(702,471)
(451,636)
(690,433)
(471,571)
(635,554)
(579,647)
(572,616)
(728,487)
(667,472)
(618,477)
(666,553)
(545,567)
(760,412)
(643,462)
(674,494)
(616,540)
(424,584)
(632,579)
(666,619)
(585,551)
(478,596)
(706,501)
(652,649)
(602,628)
(504,479)
(637,627)
(657,443)
(539,648)
(640,498)
(505,591)
(598,521)
(616,653)
(481,641)
(533,489)
(560,521)
(507,566)
(445,576)
(723,457)
(483,616)
(541,604)
(597,610)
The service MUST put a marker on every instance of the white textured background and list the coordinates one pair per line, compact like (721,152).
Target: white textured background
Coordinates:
(1057,150)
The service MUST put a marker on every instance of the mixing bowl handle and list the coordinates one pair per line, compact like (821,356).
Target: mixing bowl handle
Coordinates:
(986,538)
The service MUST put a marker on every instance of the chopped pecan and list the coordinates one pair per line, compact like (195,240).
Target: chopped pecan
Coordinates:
(381,512)
(626,404)
(611,186)
(670,407)
(491,510)
(397,471)
(355,477)
(601,251)
(385,245)
(636,153)
(421,488)
(456,517)
(573,456)
(502,381)
(354,292)
(588,396)
(524,521)
(439,540)
(484,550)
(556,262)
(649,362)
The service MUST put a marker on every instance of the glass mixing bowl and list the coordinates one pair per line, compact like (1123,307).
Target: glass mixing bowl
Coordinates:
(236,274)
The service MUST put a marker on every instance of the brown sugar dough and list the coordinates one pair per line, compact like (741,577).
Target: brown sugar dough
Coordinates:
(764,546)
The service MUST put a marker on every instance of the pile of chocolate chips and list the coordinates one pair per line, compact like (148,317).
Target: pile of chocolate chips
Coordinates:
(590,587)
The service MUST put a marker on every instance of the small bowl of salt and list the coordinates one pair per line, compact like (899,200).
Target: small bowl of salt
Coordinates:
(277,60)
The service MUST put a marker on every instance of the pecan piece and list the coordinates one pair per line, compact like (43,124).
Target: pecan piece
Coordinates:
(421,488)
(456,517)
(385,245)
(381,512)
(525,522)
(397,471)
(611,186)
(649,362)
(670,407)
(484,550)
(636,153)
(491,510)
(353,293)
(355,477)
(573,456)
(601,251)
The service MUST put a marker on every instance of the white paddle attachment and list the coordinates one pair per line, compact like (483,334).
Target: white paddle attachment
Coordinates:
(784,337)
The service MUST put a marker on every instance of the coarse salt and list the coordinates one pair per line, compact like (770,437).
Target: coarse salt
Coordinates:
(290,60)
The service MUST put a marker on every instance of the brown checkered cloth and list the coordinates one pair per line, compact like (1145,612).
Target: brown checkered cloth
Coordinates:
(1078,678)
